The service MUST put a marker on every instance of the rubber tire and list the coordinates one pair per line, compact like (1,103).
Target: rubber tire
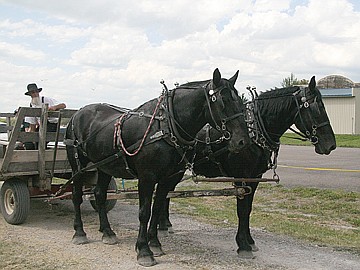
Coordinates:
(110,204)
(14,201)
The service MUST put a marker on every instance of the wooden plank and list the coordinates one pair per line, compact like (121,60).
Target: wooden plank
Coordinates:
(121,195)
(23,156)
(7,115)
(202,193)
(34,137)
(58,173)
(13,139)
(30,111)
(230,179)
(27,160)
(4,128)
(42,141)
(67,113)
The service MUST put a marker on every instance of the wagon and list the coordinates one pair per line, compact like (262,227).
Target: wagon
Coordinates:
(27,174)
(30,174)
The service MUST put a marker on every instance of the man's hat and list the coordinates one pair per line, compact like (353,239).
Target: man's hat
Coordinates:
(32,87)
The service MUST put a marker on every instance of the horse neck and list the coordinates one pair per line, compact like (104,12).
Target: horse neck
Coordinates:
(278,115)
(189,113)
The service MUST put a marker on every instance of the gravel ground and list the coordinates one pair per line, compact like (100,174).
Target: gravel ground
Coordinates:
(44,242)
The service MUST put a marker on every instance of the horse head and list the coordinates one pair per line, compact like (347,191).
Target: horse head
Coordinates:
(313,120)
(226,111)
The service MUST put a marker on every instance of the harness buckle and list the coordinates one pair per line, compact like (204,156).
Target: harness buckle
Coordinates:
(227,135)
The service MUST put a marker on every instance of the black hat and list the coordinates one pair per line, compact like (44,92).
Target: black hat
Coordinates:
(32,87)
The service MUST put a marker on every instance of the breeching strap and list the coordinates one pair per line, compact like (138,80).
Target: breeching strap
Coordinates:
(118,130)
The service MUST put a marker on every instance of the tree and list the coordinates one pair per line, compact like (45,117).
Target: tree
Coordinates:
(292,80)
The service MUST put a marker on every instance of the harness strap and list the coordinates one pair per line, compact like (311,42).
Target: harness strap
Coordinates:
(87,168)
(118,130)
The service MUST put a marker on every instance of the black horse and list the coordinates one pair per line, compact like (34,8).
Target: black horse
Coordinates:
(152,143)
(269,115)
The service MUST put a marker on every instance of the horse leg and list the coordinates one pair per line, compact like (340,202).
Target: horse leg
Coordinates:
(145,256)
(100,192)
(80,235)
(157,210)
(251,198)
(164,221)
(244,249)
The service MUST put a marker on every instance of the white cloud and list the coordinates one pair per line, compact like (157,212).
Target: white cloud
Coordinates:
(14,51)
(117,51)
(31,29)
(111,45)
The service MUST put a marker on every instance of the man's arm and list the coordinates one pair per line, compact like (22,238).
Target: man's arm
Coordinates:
(57,107)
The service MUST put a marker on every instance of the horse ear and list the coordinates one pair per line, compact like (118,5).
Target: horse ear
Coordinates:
(216,77)
(233,79)
(312,84)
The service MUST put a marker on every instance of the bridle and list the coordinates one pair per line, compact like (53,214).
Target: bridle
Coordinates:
(311,107)
(212,96)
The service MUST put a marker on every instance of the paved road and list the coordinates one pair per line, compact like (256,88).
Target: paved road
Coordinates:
(301,166)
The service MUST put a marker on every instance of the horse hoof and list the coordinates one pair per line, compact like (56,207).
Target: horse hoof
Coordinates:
(157,251)
(254,248)
(110,240)
(245,254)
(80,240)
(171,229)
(146,261)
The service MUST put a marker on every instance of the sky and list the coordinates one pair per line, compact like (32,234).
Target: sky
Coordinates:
(118,51)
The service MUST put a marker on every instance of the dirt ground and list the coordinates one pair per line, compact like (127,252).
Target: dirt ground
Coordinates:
(44,242)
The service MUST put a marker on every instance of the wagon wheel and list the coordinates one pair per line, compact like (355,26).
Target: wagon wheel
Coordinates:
(110,204)
(14,201)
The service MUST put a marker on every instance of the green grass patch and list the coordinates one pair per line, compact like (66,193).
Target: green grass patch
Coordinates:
(323,217)
(342,140)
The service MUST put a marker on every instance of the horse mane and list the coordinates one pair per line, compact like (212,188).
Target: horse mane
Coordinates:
(194,84)
(278,92)
(277,100)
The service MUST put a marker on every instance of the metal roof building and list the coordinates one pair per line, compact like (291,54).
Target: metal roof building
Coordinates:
(341,97)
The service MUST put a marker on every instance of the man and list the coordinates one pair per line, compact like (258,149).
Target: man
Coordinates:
(37,101)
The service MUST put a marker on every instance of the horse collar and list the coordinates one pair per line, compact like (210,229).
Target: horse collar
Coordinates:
(257,130)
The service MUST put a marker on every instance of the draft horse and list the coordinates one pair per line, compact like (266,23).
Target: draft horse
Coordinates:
(269,115)
(152,143)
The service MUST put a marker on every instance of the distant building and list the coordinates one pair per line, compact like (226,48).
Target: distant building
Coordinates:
(341,97)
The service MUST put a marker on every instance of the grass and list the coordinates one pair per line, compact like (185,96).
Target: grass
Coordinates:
(323,217)
(342,140)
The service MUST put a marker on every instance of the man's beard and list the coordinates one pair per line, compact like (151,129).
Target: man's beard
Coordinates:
(36,101)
